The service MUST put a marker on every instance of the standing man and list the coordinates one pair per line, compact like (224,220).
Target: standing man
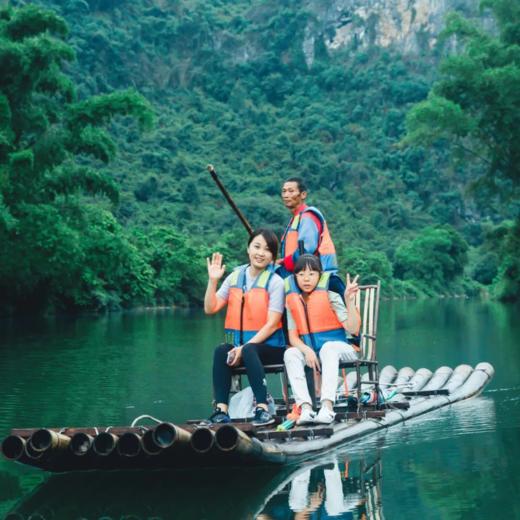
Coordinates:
(307,227)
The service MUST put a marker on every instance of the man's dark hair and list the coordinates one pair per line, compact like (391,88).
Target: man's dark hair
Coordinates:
(270,237)
(299,181)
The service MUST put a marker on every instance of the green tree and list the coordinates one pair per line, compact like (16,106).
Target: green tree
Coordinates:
(371,266)
(58,245)
(436,257)
(476,106)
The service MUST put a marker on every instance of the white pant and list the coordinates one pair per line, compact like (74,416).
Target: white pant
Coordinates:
(299,494)
(331,354)
(336,502)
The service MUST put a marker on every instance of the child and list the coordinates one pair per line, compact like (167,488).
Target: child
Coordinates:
(318,322)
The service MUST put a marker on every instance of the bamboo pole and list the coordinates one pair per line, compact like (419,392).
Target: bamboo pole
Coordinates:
(231,202)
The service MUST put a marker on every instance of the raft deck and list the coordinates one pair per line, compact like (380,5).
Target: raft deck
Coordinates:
(197,444)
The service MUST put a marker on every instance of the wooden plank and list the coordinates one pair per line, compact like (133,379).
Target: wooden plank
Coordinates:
(282,401)
(441,391)
(245,425)
(369,414)
(297,433)
(399,406)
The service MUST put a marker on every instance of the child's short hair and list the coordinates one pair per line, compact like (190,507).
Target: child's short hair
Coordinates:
(307,260)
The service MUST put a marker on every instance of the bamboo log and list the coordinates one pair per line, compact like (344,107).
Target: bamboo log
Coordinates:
(13,447)
(44,440)
(81,443)
(148,444)
(231,439)
(387,376)
(459,376)
(105,443)
(202,440)
(166,435)
(439,378)
(129,445)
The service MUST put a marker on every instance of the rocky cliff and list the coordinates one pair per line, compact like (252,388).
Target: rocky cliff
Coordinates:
(410,26)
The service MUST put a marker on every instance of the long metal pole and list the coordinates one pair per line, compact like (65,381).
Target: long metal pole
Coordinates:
(231,202)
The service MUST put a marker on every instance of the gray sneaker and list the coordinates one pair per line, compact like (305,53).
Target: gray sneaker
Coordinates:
(262,417)
(218,416)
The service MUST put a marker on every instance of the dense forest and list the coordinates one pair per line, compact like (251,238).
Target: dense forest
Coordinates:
(111,109)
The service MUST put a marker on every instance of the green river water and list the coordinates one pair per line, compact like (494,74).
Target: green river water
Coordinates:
(459,462)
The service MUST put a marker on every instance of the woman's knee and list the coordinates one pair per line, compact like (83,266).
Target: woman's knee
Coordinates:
(221,351)
(249,351)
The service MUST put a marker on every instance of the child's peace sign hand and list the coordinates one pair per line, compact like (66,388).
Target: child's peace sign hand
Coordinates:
(352,288)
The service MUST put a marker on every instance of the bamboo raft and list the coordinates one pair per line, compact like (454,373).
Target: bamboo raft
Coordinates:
(196,444)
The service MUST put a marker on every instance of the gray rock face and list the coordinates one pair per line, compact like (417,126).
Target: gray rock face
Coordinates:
(410,26)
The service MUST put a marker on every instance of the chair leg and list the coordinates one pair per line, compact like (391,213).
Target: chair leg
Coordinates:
(285,389)
(375,376)
(236,383)
(358,377)
(309,375)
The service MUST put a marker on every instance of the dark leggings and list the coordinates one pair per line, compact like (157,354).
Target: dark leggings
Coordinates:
(254,357)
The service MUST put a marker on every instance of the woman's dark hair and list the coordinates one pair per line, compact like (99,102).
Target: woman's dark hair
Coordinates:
(307,260)
(270,237)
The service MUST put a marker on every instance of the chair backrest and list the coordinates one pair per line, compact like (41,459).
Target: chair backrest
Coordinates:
(367,302)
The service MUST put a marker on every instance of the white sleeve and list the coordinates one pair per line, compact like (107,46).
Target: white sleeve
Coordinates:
(291,324)
(338,306)
(276,292)
(223,292)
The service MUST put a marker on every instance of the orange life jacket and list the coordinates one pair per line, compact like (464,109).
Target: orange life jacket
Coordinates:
(248,309)
(315,318)
(326,250)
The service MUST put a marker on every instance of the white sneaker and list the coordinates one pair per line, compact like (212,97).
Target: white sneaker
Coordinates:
(325,416)
(306,417)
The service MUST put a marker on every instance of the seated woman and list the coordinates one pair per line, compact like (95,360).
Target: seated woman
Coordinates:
(255,299)
(318,323)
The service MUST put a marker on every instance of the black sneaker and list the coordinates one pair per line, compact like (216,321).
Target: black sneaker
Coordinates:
(218,416)
(262,417)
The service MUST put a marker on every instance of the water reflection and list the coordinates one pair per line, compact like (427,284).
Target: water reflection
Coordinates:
(344,488)
(340,488)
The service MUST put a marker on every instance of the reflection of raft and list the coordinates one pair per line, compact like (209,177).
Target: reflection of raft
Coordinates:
(173,494)
(195,445)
